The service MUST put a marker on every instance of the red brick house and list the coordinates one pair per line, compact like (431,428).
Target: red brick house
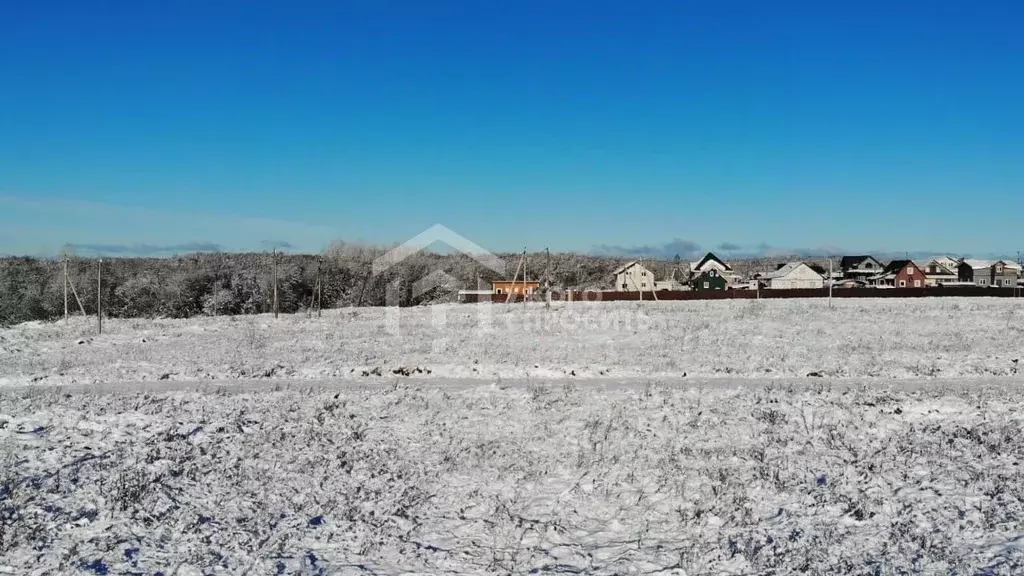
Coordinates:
(901,274)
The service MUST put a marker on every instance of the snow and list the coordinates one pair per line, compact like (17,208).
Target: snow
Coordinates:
(883,338)
(682,479)
(691,440)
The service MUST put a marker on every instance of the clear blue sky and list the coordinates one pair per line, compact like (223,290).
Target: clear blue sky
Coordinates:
(570,124)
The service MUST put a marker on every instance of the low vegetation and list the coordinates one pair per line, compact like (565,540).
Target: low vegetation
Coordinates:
(546,478)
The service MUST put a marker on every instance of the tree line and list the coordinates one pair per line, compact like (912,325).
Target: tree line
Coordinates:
(243,283)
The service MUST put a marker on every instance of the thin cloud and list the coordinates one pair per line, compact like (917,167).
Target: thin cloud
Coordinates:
(144,249)
(279,244)
(682,248)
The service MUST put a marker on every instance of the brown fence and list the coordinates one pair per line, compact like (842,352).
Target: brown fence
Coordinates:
(610,296)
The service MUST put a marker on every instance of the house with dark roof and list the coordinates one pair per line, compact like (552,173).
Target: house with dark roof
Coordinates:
(709,262)
(860,267)
(709,279)
(900,274)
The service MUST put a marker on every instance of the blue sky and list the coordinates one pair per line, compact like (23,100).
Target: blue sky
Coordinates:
(577,125)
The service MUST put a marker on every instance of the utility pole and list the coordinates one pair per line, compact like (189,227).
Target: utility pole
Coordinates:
(830,282)
(65,262)
(1019,290)
(275,282)
(547,278)
(319,289)
(524,278)
(99,296)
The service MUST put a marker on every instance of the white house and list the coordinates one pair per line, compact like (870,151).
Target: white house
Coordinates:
(948,262)
(633,277)
(794,275)
(940,271)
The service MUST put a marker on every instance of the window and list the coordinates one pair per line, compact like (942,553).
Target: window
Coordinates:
(499,291)
(624,286)
(903,283)
(706,285)
(910,270)
(643,284)
(643,273)
(917,283)
(868,265)
(983,281)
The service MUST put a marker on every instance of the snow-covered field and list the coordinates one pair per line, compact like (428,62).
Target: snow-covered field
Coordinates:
(886,338)
(152,448)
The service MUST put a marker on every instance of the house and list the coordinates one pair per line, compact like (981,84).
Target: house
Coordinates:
(938,271)
(998,273)
(710,279)
(900,274)
(793,275)
(712,262)
(977,272)
(1005,274)
(633,277)
(514,286)
(948,262)
(860,267)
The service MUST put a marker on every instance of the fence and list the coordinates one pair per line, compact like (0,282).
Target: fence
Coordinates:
(666,295)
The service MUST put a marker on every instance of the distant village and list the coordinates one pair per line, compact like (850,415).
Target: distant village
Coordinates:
(861,271)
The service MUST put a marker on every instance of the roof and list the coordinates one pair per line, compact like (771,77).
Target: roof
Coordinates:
(702,273)
(520,282)
(625,267)
(1010,264)
(786,270)
(941,269)
(978,264)
(897,265)
(709,257)
(851,261)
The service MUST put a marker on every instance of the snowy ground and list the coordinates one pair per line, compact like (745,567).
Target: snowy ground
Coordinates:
(557,478)
(887,338)
(255,446)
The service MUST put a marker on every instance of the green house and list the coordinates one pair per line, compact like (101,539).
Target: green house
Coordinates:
(708,280)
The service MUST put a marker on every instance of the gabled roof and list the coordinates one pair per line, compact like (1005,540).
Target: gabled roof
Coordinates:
(709,272)
(940,268)
(710,257)
(1010,265)
(851,261)
(896,265)
(977,264)
(625,267)
(786,270)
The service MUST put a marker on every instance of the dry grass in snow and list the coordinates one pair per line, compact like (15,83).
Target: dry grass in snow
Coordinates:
(889,338)
(557,479)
